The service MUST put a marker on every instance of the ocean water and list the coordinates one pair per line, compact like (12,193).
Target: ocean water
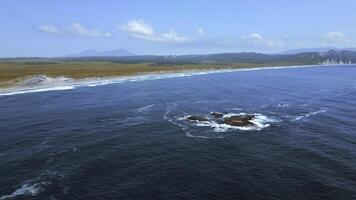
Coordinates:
(130,139)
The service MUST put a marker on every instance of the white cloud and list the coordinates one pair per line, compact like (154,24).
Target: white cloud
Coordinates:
(78,29)
(201,31)
(49,28)
(73,29)
(337,38)
(140,29)
(258,39)
(335,35)
(254,38)
(172,36)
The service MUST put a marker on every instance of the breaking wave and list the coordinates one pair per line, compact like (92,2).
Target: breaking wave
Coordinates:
(212,129)
(37,90)
(26,190)
(42,83)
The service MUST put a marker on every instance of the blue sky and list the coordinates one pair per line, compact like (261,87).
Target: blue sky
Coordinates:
(57,28)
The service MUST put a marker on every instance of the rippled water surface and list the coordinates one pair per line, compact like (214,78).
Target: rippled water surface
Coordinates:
(130,140)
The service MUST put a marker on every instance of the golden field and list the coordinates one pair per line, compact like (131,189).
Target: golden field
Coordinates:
(11,72)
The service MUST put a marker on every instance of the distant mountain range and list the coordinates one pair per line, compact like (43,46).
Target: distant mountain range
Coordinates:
(125,53)
(306,57)
(95,53)
(319,50)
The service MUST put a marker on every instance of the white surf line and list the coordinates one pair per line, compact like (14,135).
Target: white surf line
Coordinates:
(37,90)
(93,82)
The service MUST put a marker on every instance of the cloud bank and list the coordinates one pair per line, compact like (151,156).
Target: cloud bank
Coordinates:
(49,28)
(73,29)
(258,39)
(337,38)
(138,28)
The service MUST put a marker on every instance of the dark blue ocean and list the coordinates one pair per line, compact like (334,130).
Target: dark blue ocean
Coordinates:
(128,140)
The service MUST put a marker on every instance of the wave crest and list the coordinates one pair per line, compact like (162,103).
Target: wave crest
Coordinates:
(299,117)
(26,190)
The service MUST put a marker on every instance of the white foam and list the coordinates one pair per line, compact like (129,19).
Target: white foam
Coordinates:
(203,137)
(42,83)
(186,129)
(260,122)
(297,118)
(37,90)
(183,117)
(283,105)
(144,109)
(26,190)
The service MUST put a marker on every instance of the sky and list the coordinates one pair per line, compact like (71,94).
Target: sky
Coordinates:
(52,28)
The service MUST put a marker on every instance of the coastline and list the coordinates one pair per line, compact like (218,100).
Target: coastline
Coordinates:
(43,83)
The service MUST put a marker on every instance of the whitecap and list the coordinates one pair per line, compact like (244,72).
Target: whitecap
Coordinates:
(144,109)
(283,105)
(26,190)
(299,117)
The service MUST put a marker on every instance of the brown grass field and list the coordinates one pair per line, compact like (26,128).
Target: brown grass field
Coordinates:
(11,72)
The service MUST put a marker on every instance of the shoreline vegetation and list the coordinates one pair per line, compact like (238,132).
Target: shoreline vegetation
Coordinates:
(41,82)
(14,72)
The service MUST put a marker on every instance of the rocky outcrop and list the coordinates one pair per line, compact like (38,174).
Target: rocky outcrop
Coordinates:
(217,117)
(243,120)
(197,118)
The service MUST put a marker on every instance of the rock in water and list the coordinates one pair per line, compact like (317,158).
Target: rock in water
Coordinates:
(244,120)
(197,118)
(236,120)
